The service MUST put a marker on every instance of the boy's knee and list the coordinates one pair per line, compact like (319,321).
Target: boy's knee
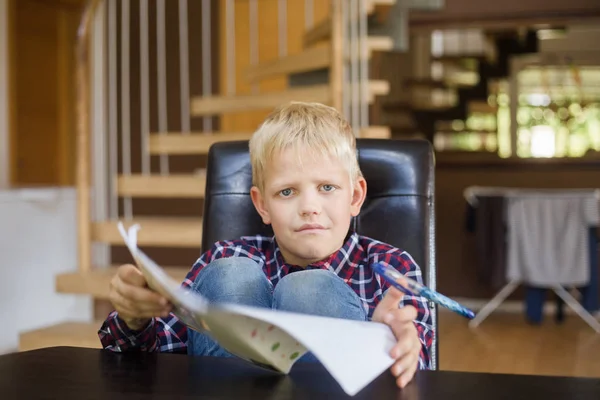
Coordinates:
(227,279)
(308,282)
(318,292)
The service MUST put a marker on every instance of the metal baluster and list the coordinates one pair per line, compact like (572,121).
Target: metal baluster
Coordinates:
(309,13)
(354,84)
(230,45)
(282,25)
(125,103)
(144,86)
(184,67)
(99,132)
(162,79)
(112,112)
(346,101)
(253,35)
(363,75)
(206,60)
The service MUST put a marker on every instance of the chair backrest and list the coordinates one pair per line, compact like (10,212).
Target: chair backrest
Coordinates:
(399,208)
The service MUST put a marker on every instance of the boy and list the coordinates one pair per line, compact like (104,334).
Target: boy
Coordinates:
(307,185)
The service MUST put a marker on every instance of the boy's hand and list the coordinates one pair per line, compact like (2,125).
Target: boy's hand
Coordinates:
(407,350)
(135,303)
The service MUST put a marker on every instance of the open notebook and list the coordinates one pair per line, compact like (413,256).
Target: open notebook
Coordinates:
(354,352)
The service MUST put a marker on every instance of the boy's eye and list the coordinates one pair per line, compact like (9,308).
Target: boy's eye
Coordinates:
(286,192)
(328,188)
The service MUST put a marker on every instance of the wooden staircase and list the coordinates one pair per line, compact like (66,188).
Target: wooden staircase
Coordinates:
(170,232)
(468,81)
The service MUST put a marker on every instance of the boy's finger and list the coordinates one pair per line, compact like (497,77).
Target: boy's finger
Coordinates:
(123,306)
(133,276)
(406,376)
(403,364)
(391,299)
(144,298)
(404,314)
(405,343)
(130,309)
(139,298)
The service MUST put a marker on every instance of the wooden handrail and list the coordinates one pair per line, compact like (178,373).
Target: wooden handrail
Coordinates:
(84,233)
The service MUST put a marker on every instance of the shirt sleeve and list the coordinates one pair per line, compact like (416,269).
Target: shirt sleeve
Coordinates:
(167,334)
(404,263)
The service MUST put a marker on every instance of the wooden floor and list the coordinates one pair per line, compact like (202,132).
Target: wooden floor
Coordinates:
(506,343)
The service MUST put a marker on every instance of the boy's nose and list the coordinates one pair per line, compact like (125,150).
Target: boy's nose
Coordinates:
(309,205)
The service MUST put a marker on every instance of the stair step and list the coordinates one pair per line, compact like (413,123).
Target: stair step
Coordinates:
(162,186)
(426,82)
(96,282)
(482,107)
(375,132)
(403,106)
(448,126)
(155,231)
(194,143)
(398,120)
(378,88)
(77,334)
(311,59)
(497,86)
(442,126)
(453,57)
(322,30)
(446,83)
(214,105)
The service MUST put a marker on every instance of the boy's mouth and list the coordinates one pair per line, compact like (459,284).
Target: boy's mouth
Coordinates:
(310,227)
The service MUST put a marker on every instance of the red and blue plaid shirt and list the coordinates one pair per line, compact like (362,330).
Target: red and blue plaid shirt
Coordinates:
(352,262)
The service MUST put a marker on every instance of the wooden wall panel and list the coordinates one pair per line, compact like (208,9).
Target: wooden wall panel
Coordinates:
(43,37)
(11,95)
(35,36)
(68,23)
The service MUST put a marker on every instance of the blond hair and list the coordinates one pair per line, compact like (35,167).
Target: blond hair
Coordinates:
(315,127)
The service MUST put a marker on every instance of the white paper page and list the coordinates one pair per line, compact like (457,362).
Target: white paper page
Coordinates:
(354,352)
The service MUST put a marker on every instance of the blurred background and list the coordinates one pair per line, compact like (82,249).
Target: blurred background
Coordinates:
(108,108)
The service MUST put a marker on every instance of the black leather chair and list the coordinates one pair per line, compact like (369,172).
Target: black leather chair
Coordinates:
(399,208)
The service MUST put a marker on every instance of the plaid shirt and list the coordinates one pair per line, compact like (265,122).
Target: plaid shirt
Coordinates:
(351,263)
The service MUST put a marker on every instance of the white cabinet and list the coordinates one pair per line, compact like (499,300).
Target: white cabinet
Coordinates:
(38,240)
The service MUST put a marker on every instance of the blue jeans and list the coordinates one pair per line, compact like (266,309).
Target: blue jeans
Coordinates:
(240,280)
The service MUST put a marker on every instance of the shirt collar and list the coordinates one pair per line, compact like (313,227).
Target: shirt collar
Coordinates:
(335,262)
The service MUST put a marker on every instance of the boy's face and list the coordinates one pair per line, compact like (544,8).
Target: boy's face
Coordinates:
(309,206)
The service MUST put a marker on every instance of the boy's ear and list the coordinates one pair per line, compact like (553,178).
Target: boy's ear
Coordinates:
(358,196)
(259,204)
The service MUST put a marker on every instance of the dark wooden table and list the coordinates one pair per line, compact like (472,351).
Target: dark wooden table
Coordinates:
(77,373)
